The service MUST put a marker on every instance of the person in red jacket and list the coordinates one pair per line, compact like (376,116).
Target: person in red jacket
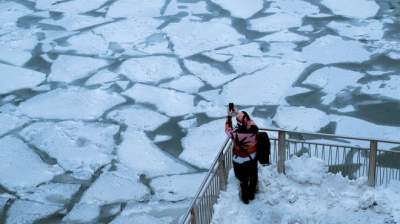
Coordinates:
(244,159)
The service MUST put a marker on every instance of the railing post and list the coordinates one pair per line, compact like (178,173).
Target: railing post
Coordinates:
(222,173)
(281,151)
(372,163)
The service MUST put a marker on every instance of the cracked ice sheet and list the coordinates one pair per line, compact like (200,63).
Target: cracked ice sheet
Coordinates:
(123,8)
(177,187)
(15,78)
(11,118)
(77,146)
(74,6)
(360,9)
(16,159)
(284,36)
(275,22)
(86,43)
(384,88)
(52,193)
(82,213)
(70,103)
(129,115)
(359,30)
(201,144)
(10,12)
(73,22)
(208,73)
(102,77)
(25,212)
(117,186)
(280,76)
(296,7)
(192,8)
(187,83)
(332,81)
(69,68)
(150,69)
(192,37)
(170,102)
(139,153)
(241,8)
(331,49)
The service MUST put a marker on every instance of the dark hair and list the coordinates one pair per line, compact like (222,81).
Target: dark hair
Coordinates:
(245,115)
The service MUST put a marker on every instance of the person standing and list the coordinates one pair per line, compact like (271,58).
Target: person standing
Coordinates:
(244,159)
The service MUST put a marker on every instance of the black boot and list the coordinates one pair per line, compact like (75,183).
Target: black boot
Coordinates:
(244,194)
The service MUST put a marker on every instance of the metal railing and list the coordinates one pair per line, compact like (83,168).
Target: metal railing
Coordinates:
(351,156)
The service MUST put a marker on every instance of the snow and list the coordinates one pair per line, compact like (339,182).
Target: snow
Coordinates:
(123,8)
(284,36)
(116,186)
(308,194)
(14,56)
(359,30)
(101,77)
(331,49)
(141,218)
(186,83)
(69,68)
(70,103)
(10,119)
(11,11)
(297,8)
(332,81)
(360,9)
(26,212)
(14,157)
(197,149)
(250,49)
(242,8)
(82,213)
(151,69)
(384,88)
(77,146)
(15,78)
(190,37)
(73,22)
(74,6)
(52,193)
(140,154)
(86,43)
(177,187)
(208,73)
(162,138)
(300,118)
(275,22)
(189,123)
(193,8)
(170,102)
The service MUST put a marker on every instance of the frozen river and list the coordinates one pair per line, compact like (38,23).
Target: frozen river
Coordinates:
(111,111)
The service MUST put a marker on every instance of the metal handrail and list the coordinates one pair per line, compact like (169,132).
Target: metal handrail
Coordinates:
(202,203)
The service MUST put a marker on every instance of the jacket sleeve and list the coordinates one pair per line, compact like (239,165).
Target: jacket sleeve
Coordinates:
(228,127)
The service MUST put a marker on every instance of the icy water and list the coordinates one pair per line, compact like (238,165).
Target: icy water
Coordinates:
(112,110)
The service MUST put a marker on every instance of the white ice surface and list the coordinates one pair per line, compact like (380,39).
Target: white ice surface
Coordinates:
(282,36)
(15,78)
(207,73)
(308,194)
(197,149)
(10,119)
(241,8)
(86,43)
(82,213)
(14,56)
(170,102)
(73,6)
(331,49)
(124,8)
(72,22)
(177,187)
(193,8)
(186,83)
(52,193)
(77,146)
(384,88)
(70,68)
(101,77)
(189,123)
(364,29)
(70,103)
(15,157)
(141,218)
(250,49)
(11,11)
(162,138)
(150,69)
(297,8)
(360,9)
(26,212)
(140,154)
(275,22)
(191,37)
(332,81)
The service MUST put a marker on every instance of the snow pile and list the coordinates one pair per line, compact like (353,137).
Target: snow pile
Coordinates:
(309,194)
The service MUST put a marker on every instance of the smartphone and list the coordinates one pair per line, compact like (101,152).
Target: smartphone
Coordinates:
(231,105)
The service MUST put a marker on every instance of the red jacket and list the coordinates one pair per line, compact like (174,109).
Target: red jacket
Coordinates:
(244,139)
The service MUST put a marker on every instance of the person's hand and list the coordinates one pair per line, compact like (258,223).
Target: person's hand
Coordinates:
(229,112)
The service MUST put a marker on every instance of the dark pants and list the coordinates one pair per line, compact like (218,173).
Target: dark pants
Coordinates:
(247,174)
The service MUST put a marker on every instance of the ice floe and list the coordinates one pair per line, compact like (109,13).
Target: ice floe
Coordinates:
(170,102)
(137,117)
(275,22)
(208,73)
(196,144)
(24,212)
(69,68)
(384,88)
(189,123)
(140,154)
(186,83)
(359,30)
(123,8)
(16,45)
(332,80)
(213,109)
(192,37)
(331,49)
(11,11)
(193,8)
(360,9)
(297,8)
(16,78)
(86,43)
(10,119)
(101,77)
(162,138)
(284,35)
(70,103)
(73,22)
(250,49)
(15,157)
(73,6)
(82,213)
(52,193)
(77,146)
(177,187)
(241,9)
(150,69)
